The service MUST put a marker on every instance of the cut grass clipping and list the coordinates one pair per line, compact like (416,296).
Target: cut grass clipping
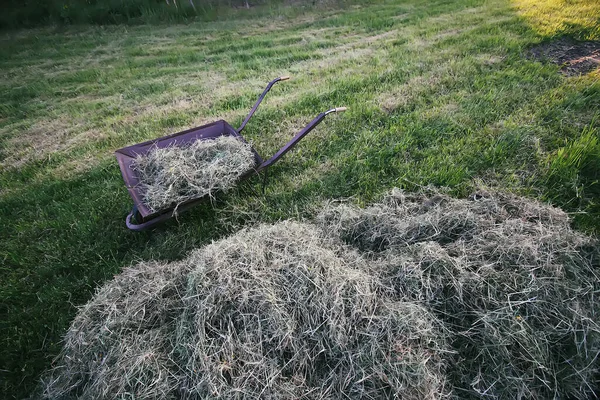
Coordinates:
(417,297)
(173,175)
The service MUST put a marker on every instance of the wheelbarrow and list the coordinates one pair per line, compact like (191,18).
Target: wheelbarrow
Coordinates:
(141,217)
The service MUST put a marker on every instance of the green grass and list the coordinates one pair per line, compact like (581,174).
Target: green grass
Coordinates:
(439,93)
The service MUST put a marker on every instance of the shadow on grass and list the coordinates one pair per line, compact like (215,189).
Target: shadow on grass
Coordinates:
(59,242)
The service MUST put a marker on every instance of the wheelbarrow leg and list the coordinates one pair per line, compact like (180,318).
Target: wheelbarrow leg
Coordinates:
(265,178)
(142,226)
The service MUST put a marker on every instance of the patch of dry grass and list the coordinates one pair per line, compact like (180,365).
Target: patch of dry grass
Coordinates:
(408,92)
(38,141)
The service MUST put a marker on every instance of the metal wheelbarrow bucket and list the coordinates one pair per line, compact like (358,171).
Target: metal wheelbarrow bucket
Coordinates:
(141,217)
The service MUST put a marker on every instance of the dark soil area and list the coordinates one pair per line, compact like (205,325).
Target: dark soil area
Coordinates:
(573,56)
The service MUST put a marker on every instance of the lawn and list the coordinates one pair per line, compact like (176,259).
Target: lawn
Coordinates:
(439,93)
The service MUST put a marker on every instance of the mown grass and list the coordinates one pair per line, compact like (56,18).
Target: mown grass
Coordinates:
(439,93)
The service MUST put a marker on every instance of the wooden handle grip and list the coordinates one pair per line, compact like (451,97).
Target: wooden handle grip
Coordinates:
(284,78)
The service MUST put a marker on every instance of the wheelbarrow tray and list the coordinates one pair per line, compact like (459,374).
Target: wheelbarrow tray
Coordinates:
(127,155)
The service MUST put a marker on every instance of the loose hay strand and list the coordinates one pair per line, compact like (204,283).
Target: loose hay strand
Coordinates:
(175,174)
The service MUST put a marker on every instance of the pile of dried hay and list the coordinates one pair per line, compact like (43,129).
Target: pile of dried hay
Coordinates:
(173,175)
(516,287)
(120,342)
(416,298)
(282,312)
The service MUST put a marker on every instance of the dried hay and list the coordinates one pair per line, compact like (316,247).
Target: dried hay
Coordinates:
(119,345)
(508,277)
(281,312)
(173,175)
(424,297)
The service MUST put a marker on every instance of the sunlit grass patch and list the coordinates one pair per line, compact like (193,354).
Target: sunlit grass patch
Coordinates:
(556,17)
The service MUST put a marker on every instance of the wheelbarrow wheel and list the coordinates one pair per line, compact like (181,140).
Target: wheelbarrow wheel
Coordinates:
(134,217)
(135,222)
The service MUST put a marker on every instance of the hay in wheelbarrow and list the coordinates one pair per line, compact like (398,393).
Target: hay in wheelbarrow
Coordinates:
(416,297)
(173,175)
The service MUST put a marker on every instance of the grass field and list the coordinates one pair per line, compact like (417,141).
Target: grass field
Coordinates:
(439,93)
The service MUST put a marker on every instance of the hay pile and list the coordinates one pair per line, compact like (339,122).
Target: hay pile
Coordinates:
(513,283)
(120,342)
(282,312)
(417,297)
(173,175)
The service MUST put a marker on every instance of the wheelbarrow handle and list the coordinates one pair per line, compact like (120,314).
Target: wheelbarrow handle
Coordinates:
(289,145)
(260,99)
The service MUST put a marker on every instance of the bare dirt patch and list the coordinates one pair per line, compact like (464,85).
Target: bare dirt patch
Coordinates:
(574,57)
